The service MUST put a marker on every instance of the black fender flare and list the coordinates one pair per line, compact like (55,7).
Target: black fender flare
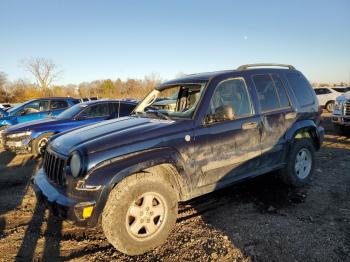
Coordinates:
(303,129)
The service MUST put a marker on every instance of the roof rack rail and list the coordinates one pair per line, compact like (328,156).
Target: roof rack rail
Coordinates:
(244,67)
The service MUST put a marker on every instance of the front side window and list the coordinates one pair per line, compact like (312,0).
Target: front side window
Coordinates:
(100,110)
(35,107)
(176,101)
(230,97)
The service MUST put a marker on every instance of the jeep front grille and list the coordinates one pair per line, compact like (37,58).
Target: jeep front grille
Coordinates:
(54,168)
(347,108)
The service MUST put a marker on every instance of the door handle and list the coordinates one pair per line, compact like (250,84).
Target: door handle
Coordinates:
(290,115)
(249,125)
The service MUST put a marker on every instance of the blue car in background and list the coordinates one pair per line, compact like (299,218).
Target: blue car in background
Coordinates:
(32,137)
(35,109)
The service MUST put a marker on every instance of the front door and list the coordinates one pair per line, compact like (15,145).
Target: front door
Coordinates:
(227,148)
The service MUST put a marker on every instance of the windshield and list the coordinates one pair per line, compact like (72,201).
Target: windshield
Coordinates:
(176,101)
(14,109)
(72,111)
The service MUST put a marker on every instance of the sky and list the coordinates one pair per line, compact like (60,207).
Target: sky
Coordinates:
(91,40)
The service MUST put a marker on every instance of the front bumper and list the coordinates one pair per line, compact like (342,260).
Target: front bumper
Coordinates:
(341,120)
(60,204)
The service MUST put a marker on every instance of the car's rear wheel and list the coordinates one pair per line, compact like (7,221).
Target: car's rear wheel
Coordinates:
(39,144)
(329,106)
(140,213)
(300,163)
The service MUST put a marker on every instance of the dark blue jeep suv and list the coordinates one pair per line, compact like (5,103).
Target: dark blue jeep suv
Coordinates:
(222,127)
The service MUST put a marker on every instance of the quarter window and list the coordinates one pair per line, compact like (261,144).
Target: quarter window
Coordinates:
(231,93)
(301,88)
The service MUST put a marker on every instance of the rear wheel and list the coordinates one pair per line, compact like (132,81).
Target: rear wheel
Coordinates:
(140,213)
(300,164)
(39,144)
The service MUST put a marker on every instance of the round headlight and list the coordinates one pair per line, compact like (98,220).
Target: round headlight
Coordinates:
(75,164)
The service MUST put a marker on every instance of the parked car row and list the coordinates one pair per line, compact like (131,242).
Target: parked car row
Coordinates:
(327,95)
(106,161)
(26,136)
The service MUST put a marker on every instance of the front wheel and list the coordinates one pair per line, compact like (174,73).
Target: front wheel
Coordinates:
(330,106)
(140,213)
(39,145)
(300,163)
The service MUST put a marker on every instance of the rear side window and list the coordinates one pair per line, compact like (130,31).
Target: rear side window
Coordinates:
(99,110)
(301,88)
(126,109)
(266,92)
(58,104)
(271,92)
(281,90)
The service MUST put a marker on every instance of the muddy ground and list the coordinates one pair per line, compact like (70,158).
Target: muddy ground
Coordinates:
(258,220)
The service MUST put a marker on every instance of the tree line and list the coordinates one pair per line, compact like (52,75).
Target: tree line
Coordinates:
(46,73)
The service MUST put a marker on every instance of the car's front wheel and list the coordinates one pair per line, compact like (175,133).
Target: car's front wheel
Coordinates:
(140,213)
(39,144)
(300,163)
(330,106)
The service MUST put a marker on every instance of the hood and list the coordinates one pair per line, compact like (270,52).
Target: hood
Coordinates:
(110,134)
(33,125)
(345,96)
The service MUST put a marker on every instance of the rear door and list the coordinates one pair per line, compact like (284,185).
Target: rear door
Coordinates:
(229,149)
(277,116)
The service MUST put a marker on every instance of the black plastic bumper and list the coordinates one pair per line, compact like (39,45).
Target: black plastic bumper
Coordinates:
(58,203)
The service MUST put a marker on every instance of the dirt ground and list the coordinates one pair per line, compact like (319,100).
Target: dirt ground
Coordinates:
(258,220)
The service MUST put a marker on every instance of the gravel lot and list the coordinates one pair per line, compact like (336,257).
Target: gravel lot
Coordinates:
(258,220)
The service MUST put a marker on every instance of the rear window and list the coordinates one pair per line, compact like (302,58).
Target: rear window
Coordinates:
(301,88)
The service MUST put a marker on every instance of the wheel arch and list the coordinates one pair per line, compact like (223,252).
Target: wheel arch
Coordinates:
(163,161)
(304,129)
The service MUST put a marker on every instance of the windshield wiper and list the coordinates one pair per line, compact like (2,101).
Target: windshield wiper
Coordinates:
(152,112)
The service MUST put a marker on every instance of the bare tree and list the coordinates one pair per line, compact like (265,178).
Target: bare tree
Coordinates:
(44,70)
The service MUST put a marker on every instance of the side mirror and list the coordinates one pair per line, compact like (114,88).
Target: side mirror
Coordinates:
(222,113)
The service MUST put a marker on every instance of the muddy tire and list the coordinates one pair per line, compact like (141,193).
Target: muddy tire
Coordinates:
(300,163)
(329,106)
(140,213)
(39,145)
